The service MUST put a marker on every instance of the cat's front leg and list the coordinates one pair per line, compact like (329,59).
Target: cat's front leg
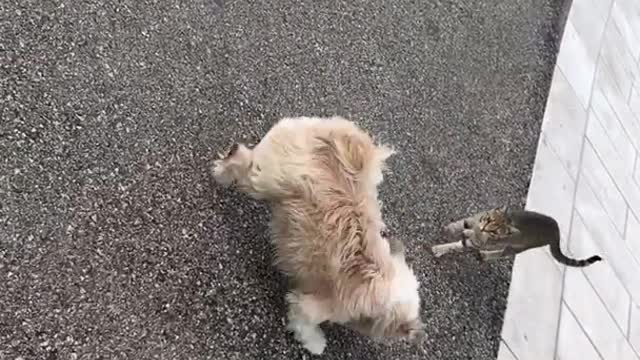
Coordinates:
(470,238)
(439,250)
(491,255)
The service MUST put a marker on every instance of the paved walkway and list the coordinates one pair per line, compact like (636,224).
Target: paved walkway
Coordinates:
(586,175)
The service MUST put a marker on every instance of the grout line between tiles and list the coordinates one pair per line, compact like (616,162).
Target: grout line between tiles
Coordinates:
(582,328)
(612,223)
(624,128)
(616,275)
(615,184)
(509,349)
(626,224)
(604,304)
(628,334)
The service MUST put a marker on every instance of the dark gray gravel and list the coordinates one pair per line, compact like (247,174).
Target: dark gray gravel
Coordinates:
(115,244)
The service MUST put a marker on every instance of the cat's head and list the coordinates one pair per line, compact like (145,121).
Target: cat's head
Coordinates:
(496,222)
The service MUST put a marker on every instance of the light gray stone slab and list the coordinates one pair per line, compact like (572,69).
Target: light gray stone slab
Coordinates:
(504,353)
(625,14)
(634,328)
(601,276)
(632,237)
(605,235)
(533,307)
(634,100)
(595,173)
(564,119)
(614,148)
(573,343)
(605,81)
(594,318)
(576,63)
(618,57)
(627,118)
(606,133)
(588,18)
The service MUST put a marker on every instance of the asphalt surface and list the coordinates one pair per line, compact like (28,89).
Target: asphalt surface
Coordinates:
(115,243)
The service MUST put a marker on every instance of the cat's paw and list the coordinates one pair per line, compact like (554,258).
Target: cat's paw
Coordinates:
(450,231)
(438,250)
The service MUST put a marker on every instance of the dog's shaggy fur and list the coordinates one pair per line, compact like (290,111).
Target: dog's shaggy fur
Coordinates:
(321,178)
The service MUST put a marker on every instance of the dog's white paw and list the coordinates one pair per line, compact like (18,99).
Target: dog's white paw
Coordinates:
(309,335)
(315,344)
(220,173)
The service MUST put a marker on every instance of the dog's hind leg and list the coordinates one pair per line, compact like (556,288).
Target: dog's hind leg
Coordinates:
(306,312)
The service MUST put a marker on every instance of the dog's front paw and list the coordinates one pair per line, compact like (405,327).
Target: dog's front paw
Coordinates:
(309,336)
(316,345)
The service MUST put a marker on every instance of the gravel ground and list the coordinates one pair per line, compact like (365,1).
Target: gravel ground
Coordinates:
(114,242)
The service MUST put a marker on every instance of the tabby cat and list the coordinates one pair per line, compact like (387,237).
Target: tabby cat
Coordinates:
(502,232)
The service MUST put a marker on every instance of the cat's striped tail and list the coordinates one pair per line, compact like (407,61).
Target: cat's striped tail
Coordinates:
(563,259)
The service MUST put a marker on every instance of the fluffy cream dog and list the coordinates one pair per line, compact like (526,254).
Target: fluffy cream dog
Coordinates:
(320,176)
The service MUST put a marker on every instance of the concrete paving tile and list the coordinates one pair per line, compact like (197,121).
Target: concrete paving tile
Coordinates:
(605,235)
(594,172)
(589,23)
(573,343)
(634,100)
(504,353)
(632,236)
(606,133)
(577,64)
(625,14)
(605,80)
(564,117)
(612,145)
(533,307)
(634,328)
(617,55)
(626,116)
(601,276)
(594,318)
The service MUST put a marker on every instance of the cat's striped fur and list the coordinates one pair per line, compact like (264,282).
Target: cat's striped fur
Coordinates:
(500,233)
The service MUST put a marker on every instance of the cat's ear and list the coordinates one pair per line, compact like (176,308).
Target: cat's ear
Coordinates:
(503,209)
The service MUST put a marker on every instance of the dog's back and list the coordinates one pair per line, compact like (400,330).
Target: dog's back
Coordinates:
(326,233)
(298,149)
(321,177)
